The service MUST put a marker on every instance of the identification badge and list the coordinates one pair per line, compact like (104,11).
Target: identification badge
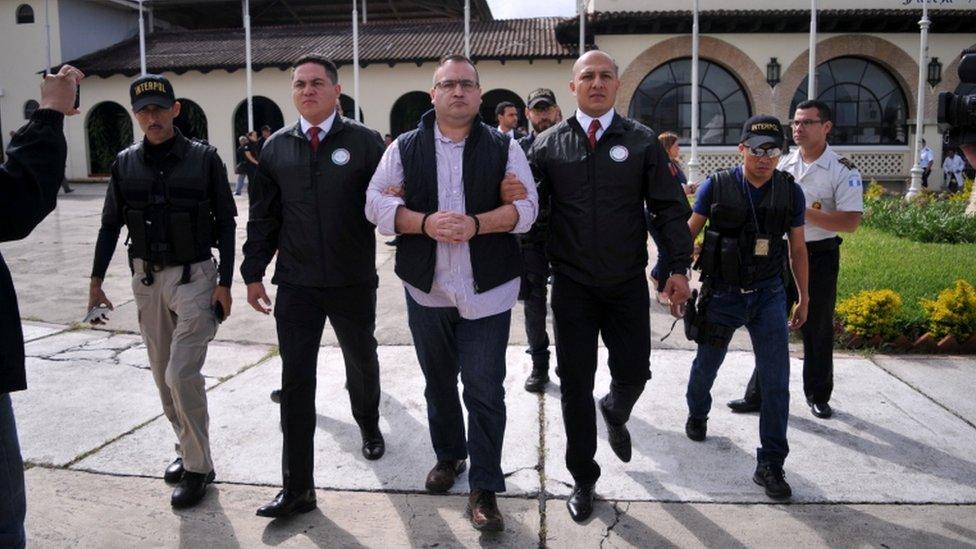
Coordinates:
(762,246)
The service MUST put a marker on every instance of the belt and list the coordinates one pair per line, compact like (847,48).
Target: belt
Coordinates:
(769,283)
(824,245)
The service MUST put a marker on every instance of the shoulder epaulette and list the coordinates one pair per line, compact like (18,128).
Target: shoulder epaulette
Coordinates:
(846,163)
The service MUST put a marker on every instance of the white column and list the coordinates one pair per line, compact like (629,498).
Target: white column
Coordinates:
(923,57)
(364,12)
(47,32)
(355,63)
(694,175)
(812,60)
(467,28)
(581,8)
(246,7)
(142,39)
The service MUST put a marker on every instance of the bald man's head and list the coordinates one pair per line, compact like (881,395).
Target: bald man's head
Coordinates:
(592,55)
(595,82)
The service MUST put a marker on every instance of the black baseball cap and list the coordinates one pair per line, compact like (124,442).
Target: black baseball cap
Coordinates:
(151,89)
(539,96)
(761,130)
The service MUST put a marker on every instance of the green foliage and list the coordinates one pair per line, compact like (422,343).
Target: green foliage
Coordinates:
(923,219)
(870,313)
(871,259)
(953,312)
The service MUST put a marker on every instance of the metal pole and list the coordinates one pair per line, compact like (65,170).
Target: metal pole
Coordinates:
(47,31)
(355,63)
(467,28)
(693,166)
(923,56)
(246,6)
(364,12)
(581,8)
(142,39)
(812,61)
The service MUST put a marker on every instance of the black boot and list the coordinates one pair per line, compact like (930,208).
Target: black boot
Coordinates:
(773,479)
(696,428)
(373,444)
(617,435)
(537,380)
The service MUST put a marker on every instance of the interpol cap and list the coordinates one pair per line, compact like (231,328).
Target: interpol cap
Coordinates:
(540,96)
(151,89)
(762,129)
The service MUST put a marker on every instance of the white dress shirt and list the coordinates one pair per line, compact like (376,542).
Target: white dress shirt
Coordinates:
(585,119)
(324,127)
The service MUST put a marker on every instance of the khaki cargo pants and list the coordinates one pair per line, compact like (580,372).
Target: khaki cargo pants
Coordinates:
(177,322)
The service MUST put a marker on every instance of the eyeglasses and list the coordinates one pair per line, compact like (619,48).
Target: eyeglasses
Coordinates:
(771,152)
(447,85)
(805,123)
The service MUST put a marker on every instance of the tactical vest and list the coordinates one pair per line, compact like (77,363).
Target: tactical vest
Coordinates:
(495,258)
(186,213)
(730,252)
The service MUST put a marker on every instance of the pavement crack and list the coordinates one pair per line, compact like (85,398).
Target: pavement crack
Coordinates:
(541,467)
(617,513)
(920,391)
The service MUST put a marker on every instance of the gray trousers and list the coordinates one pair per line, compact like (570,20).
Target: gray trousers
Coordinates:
(177,322)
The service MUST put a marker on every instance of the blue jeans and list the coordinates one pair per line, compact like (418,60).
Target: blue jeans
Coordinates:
(446,345)
(240,183)
(13,498)
(763,313)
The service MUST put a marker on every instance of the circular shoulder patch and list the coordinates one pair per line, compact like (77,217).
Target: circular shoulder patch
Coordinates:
(619,153)
(340,157)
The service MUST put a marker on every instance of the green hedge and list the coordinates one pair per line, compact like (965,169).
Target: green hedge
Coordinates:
(921,221)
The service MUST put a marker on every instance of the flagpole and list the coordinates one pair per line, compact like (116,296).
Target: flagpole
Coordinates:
(467,28)
(693,165)
(246,6)
(812,59)
(355,63)
(923,55)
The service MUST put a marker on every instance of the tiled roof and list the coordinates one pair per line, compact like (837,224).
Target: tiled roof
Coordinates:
(767,21)
(379,42)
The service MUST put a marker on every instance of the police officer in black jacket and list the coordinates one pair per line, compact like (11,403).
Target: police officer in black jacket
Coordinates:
(600,169)
(307,205)
(29,182)
(173,197)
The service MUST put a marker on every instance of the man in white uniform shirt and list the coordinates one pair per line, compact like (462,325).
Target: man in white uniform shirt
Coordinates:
(834,196)
(925,161)
(952,168)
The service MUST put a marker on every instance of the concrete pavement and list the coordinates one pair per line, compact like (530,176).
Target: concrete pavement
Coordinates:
(895,467)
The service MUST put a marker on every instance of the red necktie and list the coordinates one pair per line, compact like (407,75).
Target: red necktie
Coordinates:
(313,138)
(591,133)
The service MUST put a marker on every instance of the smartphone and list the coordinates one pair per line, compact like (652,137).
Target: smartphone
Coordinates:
(218,310)
(77,96)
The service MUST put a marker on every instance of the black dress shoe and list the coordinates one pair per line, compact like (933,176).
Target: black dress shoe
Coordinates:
(373,444)
(773,480)
(617,435)
(288,503)
(744,406)
(441,478)
(821,410)
(276,396)
(580,502)
(174,473)
(483,511)
(696,428)
(191,489)
(537,380)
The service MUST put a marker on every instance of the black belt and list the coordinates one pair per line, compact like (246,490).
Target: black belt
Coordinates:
(824,245)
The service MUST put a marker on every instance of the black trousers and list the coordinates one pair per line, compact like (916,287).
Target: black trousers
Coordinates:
(619,314)
(300,315)
(533,294)
(818,331)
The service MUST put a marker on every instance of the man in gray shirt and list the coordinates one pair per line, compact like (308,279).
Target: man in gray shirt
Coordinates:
(437,188)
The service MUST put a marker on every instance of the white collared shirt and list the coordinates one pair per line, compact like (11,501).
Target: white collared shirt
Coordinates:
(510,133)
(585,119)
(828,185)
(324,127)
(926,158)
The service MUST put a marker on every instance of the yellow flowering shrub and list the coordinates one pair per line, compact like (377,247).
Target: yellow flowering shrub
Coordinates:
(953,312)
(963,196)
(870,312)
(874,190)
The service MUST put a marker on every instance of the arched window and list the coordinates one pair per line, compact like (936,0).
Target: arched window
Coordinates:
(663,102)
(868,104)
(490,100)
(29,107)
(192,121)
(347,104)
(407,110)
(266,113)
(109,130)
(25,14)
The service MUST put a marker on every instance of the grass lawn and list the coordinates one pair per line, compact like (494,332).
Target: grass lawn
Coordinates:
(874,260)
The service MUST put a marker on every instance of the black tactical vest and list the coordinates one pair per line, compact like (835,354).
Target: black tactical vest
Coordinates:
(730,252)
(495,258)
(185,212)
